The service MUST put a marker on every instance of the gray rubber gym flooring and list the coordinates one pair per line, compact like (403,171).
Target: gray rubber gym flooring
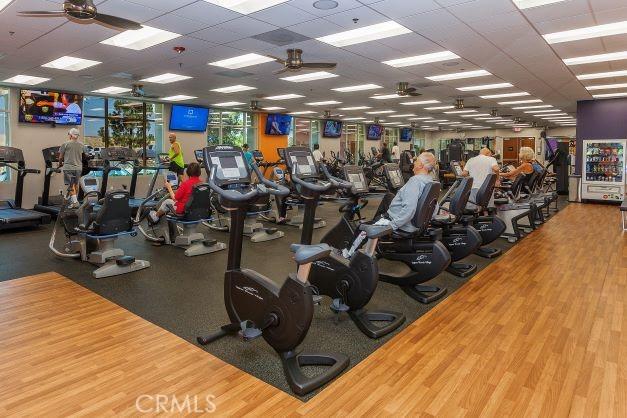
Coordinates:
(184,295)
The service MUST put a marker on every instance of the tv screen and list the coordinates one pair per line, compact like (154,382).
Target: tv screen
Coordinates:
(189,118)
(332,129)
(40,106)
(407,134)
(278,124)
(375,132)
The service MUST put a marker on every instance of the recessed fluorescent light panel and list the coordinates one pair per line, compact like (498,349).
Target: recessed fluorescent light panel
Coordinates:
(614,56)
(486,87)
(617,28)
(365,34)
(303,112)
(320,75)
(528,4)
(355,108)
(112,90)
(246,6)
(504,95)
(440,108)
(359,87)
(594,76)
(403,116)
(607,87)
(515,102)
(349,119)
(178,98)
(386,96)
(421,118)
(71,63)
(140,38)
(422,59)
(454,112)
(328,102)
(543,111)
(284,97)
(166,78)
(26,79)
(228,104)
(242,61)
(609,95)
(4,3)
(459,76)
(381,112)
(532,107)
(233,89)
(273,108)
(420,102)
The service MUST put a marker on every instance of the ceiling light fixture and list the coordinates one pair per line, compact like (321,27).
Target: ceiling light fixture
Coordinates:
(166,78)
(246,6)
(543,111)
(454,112)
(528,4)
(607,87)
(598,31)
(112,90)
(71,63)
(590,59)
(358,118)
(407,115)
(358,87)
(422,59)
(234,89)
(355,108)
(284,97)
(420,102)
(386,96)
(273,108)
(381,112)
(242,61)
(610,74)
(324,103)
(140,38)
(422,118)
(325,4)
(228,104)
(26,79)
(365,34)
(303,112)
(609,95)
(515,102)
(178,98)
(532,107)
(486,87)
(319,75)
(459,76)
(503,95)
(439,107)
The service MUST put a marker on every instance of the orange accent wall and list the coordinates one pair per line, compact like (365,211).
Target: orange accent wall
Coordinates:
(268,144)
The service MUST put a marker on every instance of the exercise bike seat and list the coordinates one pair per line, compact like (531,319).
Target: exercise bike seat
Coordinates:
(376,231)
(305,254)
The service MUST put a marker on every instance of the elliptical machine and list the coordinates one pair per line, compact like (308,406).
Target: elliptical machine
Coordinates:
(256,306)
(181,230)
(91,230)
(350,282)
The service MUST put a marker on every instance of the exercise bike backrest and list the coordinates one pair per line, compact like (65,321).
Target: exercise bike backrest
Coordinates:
(460,196)
(198,207)
(485,192)
(426,207)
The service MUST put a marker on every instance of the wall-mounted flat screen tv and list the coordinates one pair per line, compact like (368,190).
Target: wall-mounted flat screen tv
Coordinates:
(332,129)
(189,118)
(278,124)
(407,134)
(42,106)
(374,132)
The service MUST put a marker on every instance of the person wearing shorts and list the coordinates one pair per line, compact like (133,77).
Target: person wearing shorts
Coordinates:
(71,161)
(175,154)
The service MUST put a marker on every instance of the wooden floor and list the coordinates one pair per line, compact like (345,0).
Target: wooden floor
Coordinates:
(540,332)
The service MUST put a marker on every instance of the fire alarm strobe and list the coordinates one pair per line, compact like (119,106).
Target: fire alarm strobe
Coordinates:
(179,49)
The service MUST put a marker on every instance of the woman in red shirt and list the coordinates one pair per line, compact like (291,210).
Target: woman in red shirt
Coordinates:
(178,199)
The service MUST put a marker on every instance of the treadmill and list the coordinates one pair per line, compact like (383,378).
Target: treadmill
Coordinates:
(45,205)
(11,213)
(113,158)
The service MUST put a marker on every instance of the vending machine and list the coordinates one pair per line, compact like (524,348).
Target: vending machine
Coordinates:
(604,169)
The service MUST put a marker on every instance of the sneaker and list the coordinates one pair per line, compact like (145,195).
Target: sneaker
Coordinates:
(281,221)
(74,205)
(152,217)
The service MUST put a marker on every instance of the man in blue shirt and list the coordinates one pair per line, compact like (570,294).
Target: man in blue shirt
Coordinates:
(248,155)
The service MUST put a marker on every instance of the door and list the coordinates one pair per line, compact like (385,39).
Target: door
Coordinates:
(510,151)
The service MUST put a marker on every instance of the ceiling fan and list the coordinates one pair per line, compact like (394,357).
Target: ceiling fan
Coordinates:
(459,105)
(294,62)
(137,90)
(403,89)
(328,114)
(495,113)
(85,11)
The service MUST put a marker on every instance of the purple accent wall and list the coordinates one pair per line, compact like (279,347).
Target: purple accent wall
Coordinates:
(600,119)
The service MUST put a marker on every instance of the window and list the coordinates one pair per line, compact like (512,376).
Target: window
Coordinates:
(353,137)
(113,122)
(4,127)
(390,136)
(232,128)
(301,132)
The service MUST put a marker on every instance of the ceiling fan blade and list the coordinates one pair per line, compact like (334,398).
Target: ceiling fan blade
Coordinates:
(281,71)
(117,22)
(277,59)
(51,13)
(319,65)
(414,94)
(472,107)
(410,90)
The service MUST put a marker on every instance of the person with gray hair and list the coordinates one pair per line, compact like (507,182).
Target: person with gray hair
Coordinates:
(71,161)
(526,155)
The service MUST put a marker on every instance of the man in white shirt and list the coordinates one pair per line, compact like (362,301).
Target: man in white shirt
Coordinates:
(478,168)
(317,154)
(396,152)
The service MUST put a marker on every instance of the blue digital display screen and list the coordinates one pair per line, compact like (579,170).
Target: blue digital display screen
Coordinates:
(189,118)
(278,124)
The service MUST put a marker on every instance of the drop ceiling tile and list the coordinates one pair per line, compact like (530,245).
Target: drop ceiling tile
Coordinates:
(401,8)
(307,5)
(207,13)
(177,24)
(127,10)
(283,15)
(316,28)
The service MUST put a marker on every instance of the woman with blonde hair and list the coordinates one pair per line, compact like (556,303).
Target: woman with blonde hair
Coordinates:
(526,156)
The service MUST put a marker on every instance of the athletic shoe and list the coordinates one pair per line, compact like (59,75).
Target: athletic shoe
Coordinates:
(153,218)
(281,221)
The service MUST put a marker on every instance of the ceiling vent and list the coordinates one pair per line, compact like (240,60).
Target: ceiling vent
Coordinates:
(281,37)
(234,73)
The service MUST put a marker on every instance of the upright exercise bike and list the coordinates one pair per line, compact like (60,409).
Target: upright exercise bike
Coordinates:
(350,282)
(256,305)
